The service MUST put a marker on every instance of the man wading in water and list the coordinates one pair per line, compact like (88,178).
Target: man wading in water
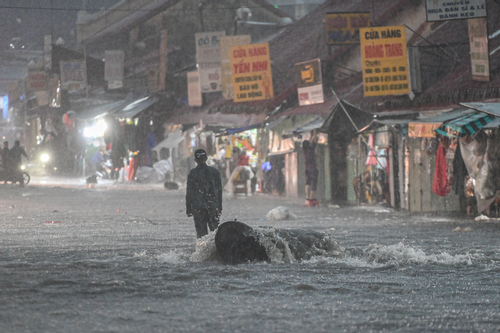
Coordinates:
(204,195)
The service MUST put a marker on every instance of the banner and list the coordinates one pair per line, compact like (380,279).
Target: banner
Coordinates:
(73,75)
(423,130)
(225,59)
(384,61)
(480,60)
(163,60)
(443,10)
(47,53)
(194,90)
(113,65)
(309,83)
(208,56)
(251,70)
(37,81)
(343,28)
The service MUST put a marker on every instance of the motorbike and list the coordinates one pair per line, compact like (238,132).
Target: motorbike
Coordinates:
(5,178)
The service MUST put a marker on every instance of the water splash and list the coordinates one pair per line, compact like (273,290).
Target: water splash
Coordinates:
(403,254)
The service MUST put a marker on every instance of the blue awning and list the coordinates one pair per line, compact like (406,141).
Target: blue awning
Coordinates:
(467,124)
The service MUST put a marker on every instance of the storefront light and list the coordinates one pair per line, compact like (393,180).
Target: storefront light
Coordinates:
(96,130)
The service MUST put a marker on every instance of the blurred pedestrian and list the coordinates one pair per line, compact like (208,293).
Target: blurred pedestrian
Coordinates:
(16,157)
(6,161)
(204,195)
(309,148)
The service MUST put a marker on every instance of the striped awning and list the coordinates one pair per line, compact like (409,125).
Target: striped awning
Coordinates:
(467,124)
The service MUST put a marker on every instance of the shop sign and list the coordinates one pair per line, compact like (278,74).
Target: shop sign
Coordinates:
(309,83)
(194,91)
(385,61)
(479,54)
(37,81)
(225,59)
(343,28)
(73,75)
(251,71)
(113,65)
(208,56)
(423,130)
(444,10)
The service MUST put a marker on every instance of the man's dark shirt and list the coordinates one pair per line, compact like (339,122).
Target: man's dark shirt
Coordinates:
(6,157)
(16,155)
(204,189)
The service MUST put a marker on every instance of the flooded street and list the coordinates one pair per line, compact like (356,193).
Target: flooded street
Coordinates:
(123,258)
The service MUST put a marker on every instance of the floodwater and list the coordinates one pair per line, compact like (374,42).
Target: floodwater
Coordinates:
(125,259)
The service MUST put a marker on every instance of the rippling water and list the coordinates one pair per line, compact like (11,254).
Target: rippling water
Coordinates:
(99,273)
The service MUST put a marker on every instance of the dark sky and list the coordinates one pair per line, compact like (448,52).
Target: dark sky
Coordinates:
(32,19)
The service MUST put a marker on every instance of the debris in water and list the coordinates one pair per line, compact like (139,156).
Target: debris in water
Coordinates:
(52,222)
(280,213)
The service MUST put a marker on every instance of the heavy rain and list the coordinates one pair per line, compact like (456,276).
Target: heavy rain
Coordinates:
(149,184)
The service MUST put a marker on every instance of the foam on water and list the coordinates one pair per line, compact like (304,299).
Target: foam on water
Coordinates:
(171,257)
(404,254)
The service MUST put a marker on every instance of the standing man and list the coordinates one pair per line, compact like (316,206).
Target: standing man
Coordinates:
(309,148)
(16,156)
(6,161)
(203,195)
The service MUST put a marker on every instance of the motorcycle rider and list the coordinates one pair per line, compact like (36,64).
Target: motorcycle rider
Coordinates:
(16,156)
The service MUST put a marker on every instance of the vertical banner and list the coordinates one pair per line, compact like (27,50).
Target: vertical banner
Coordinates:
(251,70)
(113,68)
(73,75)
(444,10)
(343,28)
(194,90)
(163,60)
(47,53)
(225,59)
(384,61)
(480,60)
(208,56)
(309,83)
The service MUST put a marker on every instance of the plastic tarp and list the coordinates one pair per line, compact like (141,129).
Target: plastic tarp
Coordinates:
(170,142)
(482,159)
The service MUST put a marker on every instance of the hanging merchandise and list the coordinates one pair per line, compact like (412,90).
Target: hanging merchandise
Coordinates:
(440,184)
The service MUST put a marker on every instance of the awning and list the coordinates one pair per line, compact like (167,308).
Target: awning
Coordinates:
(312,125)
(100,110)
(489,108)
(464,125)
(230,131)
(133,109)
(346,120)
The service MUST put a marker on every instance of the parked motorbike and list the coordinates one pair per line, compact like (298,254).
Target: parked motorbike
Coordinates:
(5,178)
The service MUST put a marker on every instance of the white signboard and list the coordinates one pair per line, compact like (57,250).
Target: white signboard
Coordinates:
(208,56)
(113,65)
(194,92)
(73,75)
(443,10)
